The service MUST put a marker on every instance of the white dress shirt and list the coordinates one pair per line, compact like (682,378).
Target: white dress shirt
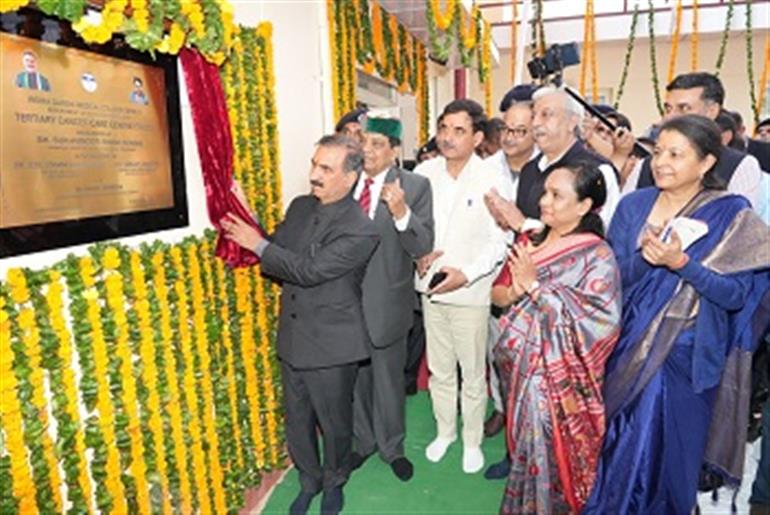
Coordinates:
(508,177)
(375,188)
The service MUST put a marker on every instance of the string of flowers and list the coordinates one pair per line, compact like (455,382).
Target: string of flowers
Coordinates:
(174,404)
(694,38)
(584,63)
(155,452)
(113,283)
(539,20)
(594,60)
(725,34)
(104,402)
(148,25)
(55,341)
(25,342)
(468,33)
(188,380)
(443,19)
(440,40)
(202,364)
(627,57)
(763,78)
(485,67)
(675,42)
(653,63)
(750,64)
(22,486)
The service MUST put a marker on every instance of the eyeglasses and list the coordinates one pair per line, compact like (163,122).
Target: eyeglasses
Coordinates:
(518,132)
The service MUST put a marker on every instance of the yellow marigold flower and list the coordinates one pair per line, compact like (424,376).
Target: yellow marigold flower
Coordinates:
(12,5)
(176,37)
(91,294)
(111,258)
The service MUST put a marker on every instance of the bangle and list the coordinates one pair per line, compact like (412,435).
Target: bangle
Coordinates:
(533,287)
(681,263)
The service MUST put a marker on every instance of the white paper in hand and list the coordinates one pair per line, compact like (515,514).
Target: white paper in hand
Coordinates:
(689,230)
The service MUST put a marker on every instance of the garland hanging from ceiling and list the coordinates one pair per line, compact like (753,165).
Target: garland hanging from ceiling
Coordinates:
(627,57)
(675,42)
(373,39)
(724,39)
(148,25)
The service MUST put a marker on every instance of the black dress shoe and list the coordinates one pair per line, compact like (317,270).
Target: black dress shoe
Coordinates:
(494,424)
(301,503)
(402,468)
(332,501)
(499,470)
(356,460)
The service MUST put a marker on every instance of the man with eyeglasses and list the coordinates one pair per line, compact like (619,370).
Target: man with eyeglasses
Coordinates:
(517,148)
(555,120)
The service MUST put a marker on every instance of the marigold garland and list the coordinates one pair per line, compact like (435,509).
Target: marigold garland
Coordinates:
(141,325)
(675,42)
(627,57)
(653,62)
(724,38)
(23,484)
(162,25)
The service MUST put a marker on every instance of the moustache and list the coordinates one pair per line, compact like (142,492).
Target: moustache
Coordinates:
(539,132)
(317,184)
(444,145)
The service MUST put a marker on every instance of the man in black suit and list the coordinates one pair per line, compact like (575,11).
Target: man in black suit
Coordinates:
(400,204)
(319,252)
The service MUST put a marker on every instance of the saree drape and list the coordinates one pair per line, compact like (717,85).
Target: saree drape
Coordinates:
(551,357)
(681,358)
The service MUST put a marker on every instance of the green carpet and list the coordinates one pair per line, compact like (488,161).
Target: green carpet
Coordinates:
(435,488)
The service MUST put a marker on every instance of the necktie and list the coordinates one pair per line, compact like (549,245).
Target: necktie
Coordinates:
(365,200)
(32,77)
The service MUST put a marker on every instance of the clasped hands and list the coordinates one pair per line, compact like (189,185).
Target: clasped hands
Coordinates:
(504,212)
(523,272)
(658,253)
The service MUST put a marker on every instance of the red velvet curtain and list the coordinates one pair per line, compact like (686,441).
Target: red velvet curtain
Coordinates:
(215,148)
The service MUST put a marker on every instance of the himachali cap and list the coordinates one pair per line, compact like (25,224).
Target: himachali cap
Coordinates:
(390,127)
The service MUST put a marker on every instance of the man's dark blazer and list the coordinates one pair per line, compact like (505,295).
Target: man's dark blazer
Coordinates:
(389,281)
(320,252)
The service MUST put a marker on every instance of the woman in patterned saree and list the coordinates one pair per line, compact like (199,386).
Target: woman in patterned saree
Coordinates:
(676,391)
(565,303)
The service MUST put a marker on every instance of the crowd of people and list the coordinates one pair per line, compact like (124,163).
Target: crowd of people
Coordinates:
(607,293)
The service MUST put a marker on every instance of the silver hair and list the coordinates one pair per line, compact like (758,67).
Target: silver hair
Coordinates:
(570,104)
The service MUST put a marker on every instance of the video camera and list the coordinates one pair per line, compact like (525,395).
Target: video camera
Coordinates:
(549,68)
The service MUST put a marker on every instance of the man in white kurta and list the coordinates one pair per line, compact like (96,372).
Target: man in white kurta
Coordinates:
(468,247)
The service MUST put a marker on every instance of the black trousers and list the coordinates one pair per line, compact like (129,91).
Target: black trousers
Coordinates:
(378,403)
(415,345)
(319,397)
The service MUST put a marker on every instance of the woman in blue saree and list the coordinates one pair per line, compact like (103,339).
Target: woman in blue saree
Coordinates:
(685,345)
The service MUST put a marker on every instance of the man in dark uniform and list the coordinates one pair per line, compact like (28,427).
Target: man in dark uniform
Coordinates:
(319,252)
